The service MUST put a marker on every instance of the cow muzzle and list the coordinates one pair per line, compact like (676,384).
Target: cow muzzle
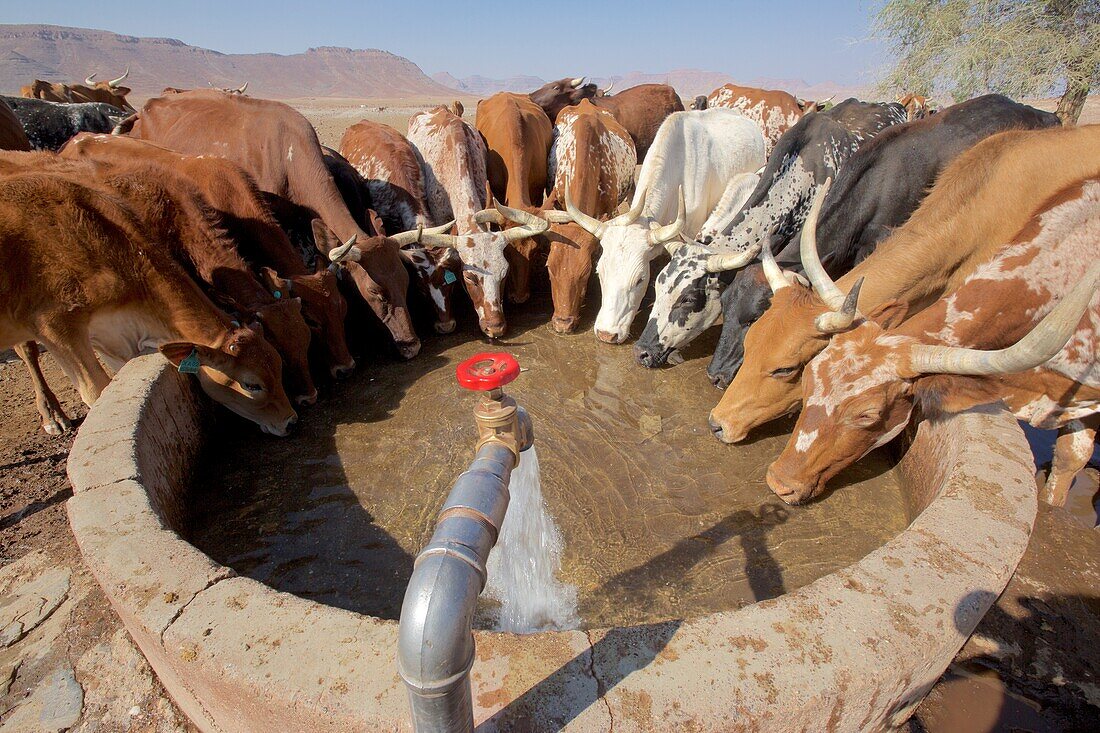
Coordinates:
(564,325)
(789,490)
(445,327)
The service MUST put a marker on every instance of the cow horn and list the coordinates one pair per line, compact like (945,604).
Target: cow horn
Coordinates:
(593,226)
(242,87)
(674,245)
(607,89)
(90,79)
(115,82)
(635,211)
(576,82)
(835,321)
(530,224)
(346,251)
(776,279)
(729,261)
(555,216)
(663,234)
(1039,346)
(413,236)
(490,216)
(823,285)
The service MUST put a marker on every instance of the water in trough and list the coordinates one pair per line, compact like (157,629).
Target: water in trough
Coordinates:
(657,519)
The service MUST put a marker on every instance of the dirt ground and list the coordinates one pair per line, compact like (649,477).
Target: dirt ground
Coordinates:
(70,665)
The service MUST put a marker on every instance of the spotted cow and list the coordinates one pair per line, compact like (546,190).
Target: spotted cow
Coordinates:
(976,206)
(774,111)
(1023,328)
(49,125)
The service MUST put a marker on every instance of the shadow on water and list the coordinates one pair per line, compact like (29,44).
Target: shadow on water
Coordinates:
(566,693)
(637,587)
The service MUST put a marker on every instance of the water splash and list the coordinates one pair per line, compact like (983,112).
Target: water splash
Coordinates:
(524,565)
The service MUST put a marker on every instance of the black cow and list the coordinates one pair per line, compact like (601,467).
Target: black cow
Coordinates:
(812,151)
(876,191)
(49,125)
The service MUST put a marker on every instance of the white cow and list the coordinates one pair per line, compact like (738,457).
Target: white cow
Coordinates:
(693,158)
(452,155)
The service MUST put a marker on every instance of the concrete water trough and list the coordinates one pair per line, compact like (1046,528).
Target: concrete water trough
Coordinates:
(856,649)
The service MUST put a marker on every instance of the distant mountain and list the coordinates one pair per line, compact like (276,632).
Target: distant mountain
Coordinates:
(687,83)
(56,53)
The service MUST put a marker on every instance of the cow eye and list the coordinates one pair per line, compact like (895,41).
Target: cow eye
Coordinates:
(782,372)
(868,417)
(253,387)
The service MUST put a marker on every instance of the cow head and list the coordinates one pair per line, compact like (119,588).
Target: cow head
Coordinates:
(792,331)
(743,302)
(916,106)
(569,263)
(434,269)
(242,372)
(287,330)
(688,289)
(484,265)
(111,92)
(556,95)
(376,268)
(324,310)
(860,391)
(699,102)
(629,242)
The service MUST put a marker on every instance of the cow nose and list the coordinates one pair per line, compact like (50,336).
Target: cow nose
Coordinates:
(563,324)
(291,424)
(608,338)
(643,356)
(442,327)
(307,399)
(342,370)
(721,381)
(409,349)
(715,426)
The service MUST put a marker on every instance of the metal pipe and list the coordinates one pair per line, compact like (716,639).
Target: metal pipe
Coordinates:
(435,638)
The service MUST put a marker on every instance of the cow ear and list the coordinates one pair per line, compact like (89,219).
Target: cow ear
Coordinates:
(323,237)
(953,393)
(376,223)
(177,351)
(280,287)
(889,314)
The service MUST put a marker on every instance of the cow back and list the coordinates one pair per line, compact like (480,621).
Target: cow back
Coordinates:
(517,136)
(452,156)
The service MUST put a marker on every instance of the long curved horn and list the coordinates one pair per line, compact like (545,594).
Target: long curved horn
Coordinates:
(242,87)
(776,280)
(557,217)
(576,82)
(115,82)
(635,211)
(672,247)
(490,216)
(1039,346)
(90,80)
(660,235)
(593,226)
(729,261)
(835,321)
(346,251)
(525,218)
(607,89)
(413,236)
(823,284)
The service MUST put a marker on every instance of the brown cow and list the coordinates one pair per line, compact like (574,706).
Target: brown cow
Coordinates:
(195,236)
(983,343)
(556,95)
(453,154)
(279,148)
(231,191)
(79,274)
(593,158)
(916,106)
(774,111)
(518,135)
(976,206)
(109,92)
(641,110)
(12,136)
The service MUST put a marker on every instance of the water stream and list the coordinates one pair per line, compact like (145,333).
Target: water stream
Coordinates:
(523,568)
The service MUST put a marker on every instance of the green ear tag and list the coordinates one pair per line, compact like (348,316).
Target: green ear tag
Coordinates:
(449,277)
(190,365)
(277,295)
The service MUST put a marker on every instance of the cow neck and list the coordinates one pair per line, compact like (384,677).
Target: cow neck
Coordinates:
(315,189)
(186,313)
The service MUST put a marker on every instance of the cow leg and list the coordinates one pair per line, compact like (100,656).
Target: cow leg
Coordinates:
(1072,451)
(73,350)
(54,420)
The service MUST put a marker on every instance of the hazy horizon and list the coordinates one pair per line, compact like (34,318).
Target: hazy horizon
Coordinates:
(772,40)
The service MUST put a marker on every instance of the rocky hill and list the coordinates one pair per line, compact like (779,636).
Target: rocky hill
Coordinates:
(56,53)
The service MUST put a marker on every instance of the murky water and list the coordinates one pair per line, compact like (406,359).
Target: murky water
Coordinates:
(658,519)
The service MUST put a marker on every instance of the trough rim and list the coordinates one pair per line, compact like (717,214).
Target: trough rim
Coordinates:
(854,650)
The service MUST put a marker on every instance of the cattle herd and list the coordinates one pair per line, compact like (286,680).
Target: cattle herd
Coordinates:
(865,260)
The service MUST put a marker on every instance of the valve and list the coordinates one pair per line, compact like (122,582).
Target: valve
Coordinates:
(499,418)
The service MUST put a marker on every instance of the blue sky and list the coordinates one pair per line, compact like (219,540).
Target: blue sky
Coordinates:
(804,39)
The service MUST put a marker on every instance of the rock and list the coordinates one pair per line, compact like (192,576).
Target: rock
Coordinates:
(27,605)
(7,676)
(54,706)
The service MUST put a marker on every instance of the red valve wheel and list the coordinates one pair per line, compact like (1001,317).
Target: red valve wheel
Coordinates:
(486,371)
